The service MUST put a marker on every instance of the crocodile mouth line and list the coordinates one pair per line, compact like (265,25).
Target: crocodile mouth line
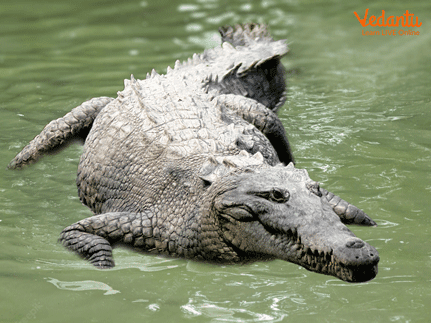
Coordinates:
(326,263)
(321,261)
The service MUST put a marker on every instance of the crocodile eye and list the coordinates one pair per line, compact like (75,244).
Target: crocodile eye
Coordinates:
(279,196)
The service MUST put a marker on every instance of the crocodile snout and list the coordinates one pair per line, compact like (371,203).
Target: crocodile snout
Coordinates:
(355,243)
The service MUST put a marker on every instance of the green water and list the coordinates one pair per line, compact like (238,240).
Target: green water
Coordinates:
(358,118)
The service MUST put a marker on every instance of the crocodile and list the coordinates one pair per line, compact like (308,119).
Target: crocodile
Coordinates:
(196,164)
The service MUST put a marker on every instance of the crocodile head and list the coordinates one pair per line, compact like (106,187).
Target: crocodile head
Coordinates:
(279,213)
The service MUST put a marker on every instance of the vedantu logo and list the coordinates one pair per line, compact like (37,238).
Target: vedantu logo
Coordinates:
(405,20)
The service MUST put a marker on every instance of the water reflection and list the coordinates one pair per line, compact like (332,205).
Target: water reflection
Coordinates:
(82,285)
(228,312)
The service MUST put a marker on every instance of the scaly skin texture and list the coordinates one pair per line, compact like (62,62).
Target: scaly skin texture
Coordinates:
(75,124)
(193,164)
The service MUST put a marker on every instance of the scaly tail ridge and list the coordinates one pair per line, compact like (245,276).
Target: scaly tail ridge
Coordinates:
(241,35)
(59,132)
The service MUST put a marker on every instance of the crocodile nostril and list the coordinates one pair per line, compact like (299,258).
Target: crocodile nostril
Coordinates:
(355,244)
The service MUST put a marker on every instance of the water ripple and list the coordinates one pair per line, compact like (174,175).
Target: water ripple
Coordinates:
(82,285)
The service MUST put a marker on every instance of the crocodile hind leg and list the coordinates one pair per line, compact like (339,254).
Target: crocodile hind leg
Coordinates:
(59,132)
(263,119)
(92,238)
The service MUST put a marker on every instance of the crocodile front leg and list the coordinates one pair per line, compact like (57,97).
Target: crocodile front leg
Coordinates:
(92,238)
(59,132)
(348,213)
(263,119)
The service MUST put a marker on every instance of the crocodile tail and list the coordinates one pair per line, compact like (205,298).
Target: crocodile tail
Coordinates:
(58,133)
(241,35)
